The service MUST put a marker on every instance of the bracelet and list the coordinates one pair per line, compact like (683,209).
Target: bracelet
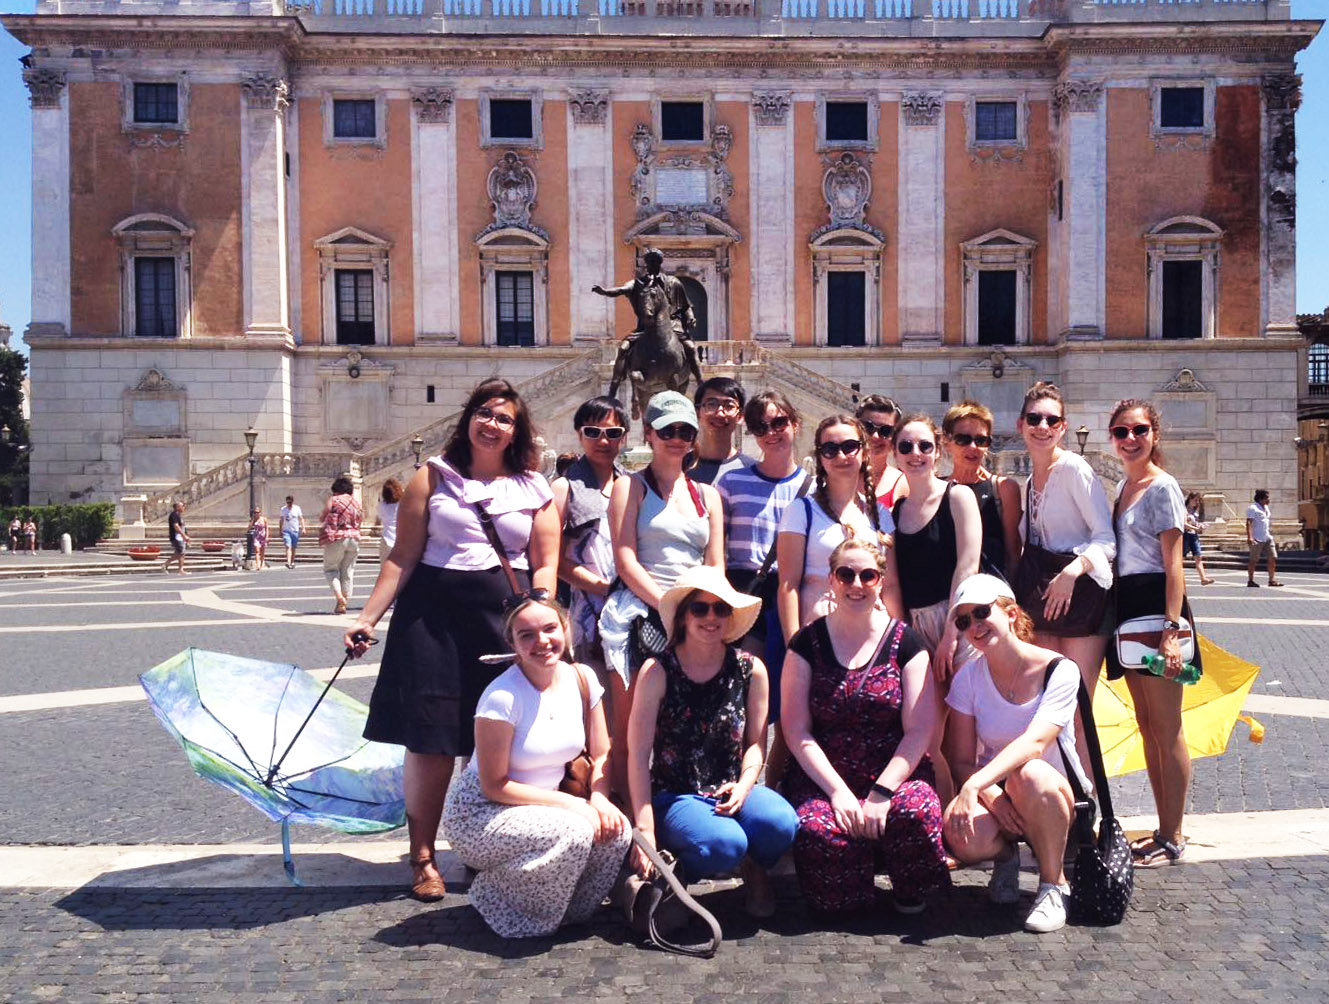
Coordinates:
(881,789)
(756,767)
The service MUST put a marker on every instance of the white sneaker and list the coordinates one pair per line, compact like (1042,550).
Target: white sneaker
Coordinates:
(1049,912)
(1004,885)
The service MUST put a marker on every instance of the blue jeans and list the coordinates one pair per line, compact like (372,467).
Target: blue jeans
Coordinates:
(708,844)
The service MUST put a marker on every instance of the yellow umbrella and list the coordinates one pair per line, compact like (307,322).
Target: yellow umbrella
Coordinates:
(1209,710)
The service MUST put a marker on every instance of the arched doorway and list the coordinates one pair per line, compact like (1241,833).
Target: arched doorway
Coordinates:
(697,297)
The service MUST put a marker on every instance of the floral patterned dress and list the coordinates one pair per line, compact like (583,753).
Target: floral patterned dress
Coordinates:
(855,718)
(700,727)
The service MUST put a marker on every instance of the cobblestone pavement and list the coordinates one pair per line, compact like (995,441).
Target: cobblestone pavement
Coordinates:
(106,773)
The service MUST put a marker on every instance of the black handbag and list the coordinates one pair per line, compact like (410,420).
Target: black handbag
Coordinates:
(658,907)
(1036,569)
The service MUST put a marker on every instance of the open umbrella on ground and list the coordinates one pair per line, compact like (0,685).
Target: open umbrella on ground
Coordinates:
(1210,708)
(286,743)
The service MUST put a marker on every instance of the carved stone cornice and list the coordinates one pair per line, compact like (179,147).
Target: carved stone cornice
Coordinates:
(590,106)
(44,86)
(771,108)
(433,104)
(266,92)
(921,108)
(1282,92)
(1077,96)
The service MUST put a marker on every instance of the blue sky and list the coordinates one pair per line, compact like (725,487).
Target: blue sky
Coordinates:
(1312,174)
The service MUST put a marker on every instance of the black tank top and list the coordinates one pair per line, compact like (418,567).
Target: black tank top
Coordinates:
(926,560)
(992,557)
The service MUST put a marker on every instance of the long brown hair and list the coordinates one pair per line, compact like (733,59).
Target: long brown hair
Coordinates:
(1155,422)
(521,454)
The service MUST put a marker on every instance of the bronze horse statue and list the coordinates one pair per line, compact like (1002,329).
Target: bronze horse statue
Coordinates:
(658,359)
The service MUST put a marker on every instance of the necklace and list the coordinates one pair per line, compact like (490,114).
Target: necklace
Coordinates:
(1006,690)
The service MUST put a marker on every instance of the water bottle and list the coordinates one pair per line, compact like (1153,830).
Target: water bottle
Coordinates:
(1156,664)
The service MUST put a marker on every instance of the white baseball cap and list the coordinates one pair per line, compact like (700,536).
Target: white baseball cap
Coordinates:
(978,590)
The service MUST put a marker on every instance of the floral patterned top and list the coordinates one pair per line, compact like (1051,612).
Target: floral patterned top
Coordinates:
(700,728)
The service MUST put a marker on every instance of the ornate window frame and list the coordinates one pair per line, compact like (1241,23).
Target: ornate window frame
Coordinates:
(1160,132)
(179,126)
(707,101)
(874,113)
(847,249)
(1184,238)
(999,250)
(997,149)
(154,235)
(536,98)
(513,249)
(352,248)
(380,137)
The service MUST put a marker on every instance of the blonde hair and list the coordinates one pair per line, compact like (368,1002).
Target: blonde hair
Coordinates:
(957,413)
(857,544)
(564,622)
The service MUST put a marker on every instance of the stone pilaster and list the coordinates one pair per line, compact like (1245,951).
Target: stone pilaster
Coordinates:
(922,272)
(1082,118)
(591,237)
(434,184)
(771,154)
(263,138)
(1282,98)
(50,201)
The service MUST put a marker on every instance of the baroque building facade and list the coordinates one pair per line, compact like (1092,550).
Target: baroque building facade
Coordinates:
(327,221)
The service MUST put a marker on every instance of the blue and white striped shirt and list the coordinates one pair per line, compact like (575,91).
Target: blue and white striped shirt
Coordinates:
(753,505)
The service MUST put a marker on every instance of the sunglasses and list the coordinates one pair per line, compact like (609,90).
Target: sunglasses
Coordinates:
(964,439)
(1138,431)
(487,414)
(778,424)
(611,433)
(829,451)
(679,430)
(981,613)
(906,446)
(848,576)
(700,608)
(720,406)
(1032,418)
(873,429)
(512,602)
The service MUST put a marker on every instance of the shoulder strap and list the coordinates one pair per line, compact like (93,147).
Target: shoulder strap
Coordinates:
(487,523)
(585,689)
(705,949)
(695,492)
(764,571)
(1086,705)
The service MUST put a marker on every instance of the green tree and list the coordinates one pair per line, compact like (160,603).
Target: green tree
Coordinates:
(14,448)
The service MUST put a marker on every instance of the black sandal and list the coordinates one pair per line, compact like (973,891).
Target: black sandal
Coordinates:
(1155,851)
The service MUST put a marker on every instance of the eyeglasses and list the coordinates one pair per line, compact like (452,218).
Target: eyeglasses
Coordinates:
(611,433)
(829,451)
(487,414)
(1032,418)
(778,424)
(964,439)
(720,406)
(1138,431)
(906,446)
(980,613)
(700,608)
(848,576)
(679,430)
(873,429)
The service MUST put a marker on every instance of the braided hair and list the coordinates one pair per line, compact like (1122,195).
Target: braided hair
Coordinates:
(822,493)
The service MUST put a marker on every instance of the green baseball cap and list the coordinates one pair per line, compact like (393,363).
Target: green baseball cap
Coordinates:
(669,407)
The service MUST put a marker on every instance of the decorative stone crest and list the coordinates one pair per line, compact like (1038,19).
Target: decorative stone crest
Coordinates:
(921,109)
(266,92)
(771,108)
(433,104)
(1077,96)
(847,187)
(722,141)
(512,194)
(682,184)
(154,381)
(589,106)
(1184,383)
(44,86)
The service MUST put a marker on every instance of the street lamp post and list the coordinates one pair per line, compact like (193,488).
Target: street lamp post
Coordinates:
(418,446)
(1082,437)
(251,437)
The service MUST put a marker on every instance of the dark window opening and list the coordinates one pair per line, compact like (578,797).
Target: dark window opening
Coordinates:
(1317,364)
(1181,108)
(994,121)
(516,308)
(846,122)
(355,306)
(700,304)
(1183,292)
(682,121)
(154,297)
(429,393)
(510,118)
(996,307)
(354,118)
(846,308)
(157,103)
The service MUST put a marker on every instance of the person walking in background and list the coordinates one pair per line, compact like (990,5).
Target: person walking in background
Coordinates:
(339,536)
(879,416)
(387,516)
(1190,535)
(1260,540)
(292,519)
(30,534)
(258,533)
(179,538)
(719,402)
(15,534)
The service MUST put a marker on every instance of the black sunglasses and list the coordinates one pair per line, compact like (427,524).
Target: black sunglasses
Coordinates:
(517,599)
(847,576)
(700,608)
(611,433)
(981,613)
(678,430)
(906,446)
(829,451)
(487,414)
(964,439)
(778,424)
(1032,418)
(1138,431)
(882,431)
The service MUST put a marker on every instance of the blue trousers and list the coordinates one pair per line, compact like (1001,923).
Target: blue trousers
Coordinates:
(709,844)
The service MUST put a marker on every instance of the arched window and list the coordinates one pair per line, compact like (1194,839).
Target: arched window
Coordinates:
(155,293)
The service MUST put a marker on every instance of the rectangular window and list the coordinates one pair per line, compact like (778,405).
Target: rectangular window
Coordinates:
(156,104)
(846,308)
(996,306)
(355,306)
(994,122)
(154,297)
(1183,293)
(516,308)
(1181,108)
(846,121)
(510,118)
(354,118)
(682,121)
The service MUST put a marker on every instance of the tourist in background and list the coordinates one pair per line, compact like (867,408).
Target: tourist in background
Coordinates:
(879,416)
(1190,535)
(339,536)
(292,519)
(388,500)
(258,535)
(178,536)
(1260,540)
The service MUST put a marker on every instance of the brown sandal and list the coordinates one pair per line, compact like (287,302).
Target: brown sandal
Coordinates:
(424,887)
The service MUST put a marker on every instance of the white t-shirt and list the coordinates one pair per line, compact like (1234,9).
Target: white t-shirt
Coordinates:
(549,725)
(1259,517)
(808,519)
(291,516)
(998,722)
(387,514)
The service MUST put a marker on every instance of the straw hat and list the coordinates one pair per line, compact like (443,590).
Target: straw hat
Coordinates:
(706,579)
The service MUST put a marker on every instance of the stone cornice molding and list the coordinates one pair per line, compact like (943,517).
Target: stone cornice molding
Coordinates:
(44,86)
(921,108)
(1276,39)
(590,106)
(771,108)
(433,104)
(265,92)
(1077,96)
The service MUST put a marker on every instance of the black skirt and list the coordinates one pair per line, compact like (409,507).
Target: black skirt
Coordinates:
(1142,595)
(431,678)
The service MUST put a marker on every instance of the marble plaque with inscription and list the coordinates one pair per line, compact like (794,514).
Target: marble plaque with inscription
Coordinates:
(680,186)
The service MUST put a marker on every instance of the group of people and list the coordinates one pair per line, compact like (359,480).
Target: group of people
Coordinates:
(22,533)
(889,622)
